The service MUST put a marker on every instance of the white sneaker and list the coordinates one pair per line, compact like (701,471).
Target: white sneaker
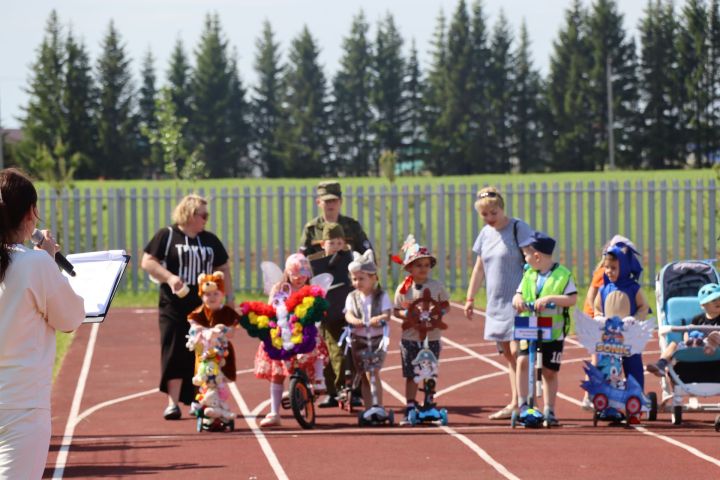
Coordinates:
(271,420)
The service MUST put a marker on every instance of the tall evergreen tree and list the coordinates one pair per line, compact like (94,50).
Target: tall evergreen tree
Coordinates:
(304,128)
(150,155)
(479,153)
(714,79)
(414,140)
(215,87)
(179,80)
(351,114)
(267,104)
(388,70)
(500,90)
(238,121)
(661,134)
(692,48)
(608,42)
(117,128)
(568,94)
(44,120)
(79,97)
(527,110)
(435,99)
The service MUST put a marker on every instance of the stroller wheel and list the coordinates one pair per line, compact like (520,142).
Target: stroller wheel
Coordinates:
(677,415)
(652,414)
(717,423)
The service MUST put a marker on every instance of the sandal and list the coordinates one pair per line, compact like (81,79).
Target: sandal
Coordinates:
(504,414)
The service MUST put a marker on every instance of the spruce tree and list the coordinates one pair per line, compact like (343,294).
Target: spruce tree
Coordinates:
(388,70)
(351,115)
(117,127)
(414,148)
(150,155)
(435,98)
(304,129)
(661,134)
(479,153)
(568,95)
(527,110)
(692,48)
(44,121)
(713,73)
(609,43)
(267,104)
(500,89)
(215,91)
(238,122)
(179,79)
(79,97)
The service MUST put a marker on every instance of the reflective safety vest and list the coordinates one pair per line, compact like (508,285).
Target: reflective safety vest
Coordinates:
(554,285)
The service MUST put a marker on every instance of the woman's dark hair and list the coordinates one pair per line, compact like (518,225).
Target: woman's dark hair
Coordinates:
(17,197)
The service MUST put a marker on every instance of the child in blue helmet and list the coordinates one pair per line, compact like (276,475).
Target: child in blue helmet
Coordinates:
(622,296)
(709,298)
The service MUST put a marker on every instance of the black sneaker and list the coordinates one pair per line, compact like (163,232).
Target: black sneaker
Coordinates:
(328,402)
(172,412)
(658,368)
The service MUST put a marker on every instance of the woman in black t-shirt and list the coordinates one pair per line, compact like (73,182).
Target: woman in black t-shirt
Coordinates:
(175,257)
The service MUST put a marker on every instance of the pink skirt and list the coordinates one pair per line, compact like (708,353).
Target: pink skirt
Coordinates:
(269,369)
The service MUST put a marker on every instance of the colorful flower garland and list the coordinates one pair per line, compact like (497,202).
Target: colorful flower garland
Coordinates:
(290,331)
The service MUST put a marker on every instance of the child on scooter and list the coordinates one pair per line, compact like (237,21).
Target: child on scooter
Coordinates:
(418,262)
(367,310)
(550,289)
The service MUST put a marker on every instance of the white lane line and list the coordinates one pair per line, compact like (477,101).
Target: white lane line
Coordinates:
(499,467)
(678,444)
(457,386)
(260,408)
(97,407)
(643,430)
(462,307)
(259,435)
(75,406)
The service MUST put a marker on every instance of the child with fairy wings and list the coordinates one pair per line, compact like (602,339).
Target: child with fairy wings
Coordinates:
(296,275)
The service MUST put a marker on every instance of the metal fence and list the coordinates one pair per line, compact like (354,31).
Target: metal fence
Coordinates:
(666,220)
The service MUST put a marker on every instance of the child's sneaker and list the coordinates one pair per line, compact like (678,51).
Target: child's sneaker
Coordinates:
(550,418)
(658,368)
(271,420)
(406,417)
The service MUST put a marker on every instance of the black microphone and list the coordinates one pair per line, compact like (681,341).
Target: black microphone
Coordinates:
(37,239)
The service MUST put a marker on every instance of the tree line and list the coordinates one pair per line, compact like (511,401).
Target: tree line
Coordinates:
(480,106)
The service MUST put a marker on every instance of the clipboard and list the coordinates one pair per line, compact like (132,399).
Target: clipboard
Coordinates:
(97,278)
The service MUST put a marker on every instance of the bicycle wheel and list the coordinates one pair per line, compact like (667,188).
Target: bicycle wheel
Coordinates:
(302,402)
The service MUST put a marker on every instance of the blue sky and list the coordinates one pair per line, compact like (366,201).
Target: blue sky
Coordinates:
(156,24)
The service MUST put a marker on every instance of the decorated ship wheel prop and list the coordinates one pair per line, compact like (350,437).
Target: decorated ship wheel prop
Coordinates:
(425,314)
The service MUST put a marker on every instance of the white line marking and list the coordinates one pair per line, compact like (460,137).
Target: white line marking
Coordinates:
(75,406)
(678,444)
(259,435)
(457,386)
(97,407)
(462,438)
(462,307)
(260,408)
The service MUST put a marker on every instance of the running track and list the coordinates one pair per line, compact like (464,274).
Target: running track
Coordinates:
(107,422)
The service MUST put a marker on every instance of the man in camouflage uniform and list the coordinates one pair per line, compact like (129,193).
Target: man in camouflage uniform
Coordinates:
(329,199)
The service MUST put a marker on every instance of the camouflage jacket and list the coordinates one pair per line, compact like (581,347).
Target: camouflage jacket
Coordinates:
(354,235)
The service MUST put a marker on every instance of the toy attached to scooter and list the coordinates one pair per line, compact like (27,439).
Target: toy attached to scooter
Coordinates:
(615,399)
(532,329)
(425,314)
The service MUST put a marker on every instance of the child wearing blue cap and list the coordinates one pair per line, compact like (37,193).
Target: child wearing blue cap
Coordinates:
(545,284)
(709,298)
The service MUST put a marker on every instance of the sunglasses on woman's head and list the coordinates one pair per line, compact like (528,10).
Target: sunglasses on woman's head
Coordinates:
(487,195)
(203,215)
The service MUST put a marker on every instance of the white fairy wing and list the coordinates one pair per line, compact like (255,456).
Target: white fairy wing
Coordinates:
(588,330)
(324,280)
(272,274)
(636,334)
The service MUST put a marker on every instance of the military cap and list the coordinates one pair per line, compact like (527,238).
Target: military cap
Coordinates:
(332,230)
(329,190)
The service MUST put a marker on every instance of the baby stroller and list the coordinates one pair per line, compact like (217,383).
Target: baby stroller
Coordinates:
(693,373)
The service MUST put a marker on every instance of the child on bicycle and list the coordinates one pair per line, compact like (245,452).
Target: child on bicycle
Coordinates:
(296,275)
(548,289)
(368,302)
(418,262)
(709,298)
